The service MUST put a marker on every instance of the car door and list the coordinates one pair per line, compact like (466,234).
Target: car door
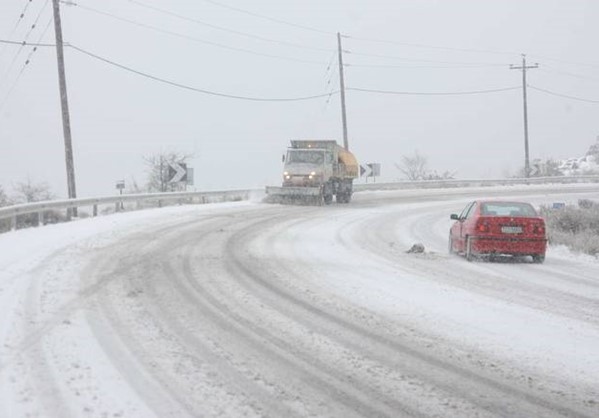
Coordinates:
(456,229)
(466,224)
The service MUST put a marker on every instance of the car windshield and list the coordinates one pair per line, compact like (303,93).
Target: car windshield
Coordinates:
(307,157)
(507,209)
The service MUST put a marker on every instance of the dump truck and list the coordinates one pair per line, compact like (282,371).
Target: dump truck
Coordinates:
(314,171)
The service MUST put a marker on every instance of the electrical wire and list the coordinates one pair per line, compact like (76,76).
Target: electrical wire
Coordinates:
(16,25)
(24,43)
(566,96)
(25,65)
(583,64)
(194,89)
(566,73)
(427,46)
(454,93)
(190,38)
(366,39)
(407,67)
(480,64)
(224,29)
(271,19)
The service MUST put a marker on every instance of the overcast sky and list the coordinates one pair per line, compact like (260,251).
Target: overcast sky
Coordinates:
(430,47)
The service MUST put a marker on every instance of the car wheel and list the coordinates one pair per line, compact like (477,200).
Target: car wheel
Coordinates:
(538,258)
(328,198)
(468,252)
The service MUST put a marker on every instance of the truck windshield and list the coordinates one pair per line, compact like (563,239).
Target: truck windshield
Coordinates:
(307,157)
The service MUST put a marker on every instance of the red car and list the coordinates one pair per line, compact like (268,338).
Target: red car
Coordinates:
(498,228)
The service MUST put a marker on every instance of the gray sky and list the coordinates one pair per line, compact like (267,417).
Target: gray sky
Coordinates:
(435,46)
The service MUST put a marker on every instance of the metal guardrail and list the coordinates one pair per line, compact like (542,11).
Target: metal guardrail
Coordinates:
(434,184)
(13,212)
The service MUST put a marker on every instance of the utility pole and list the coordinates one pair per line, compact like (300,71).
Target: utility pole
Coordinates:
(524,67)
(342,90)
(64,102)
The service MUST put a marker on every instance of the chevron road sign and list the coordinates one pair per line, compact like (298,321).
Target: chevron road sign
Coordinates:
(365,170)
(177,172)
(370,170)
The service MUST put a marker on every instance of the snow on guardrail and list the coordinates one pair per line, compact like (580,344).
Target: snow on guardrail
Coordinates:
(13,212)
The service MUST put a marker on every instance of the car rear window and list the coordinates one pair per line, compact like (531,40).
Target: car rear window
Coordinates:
(507,209)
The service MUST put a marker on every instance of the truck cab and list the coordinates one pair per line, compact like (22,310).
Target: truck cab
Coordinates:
(307,167)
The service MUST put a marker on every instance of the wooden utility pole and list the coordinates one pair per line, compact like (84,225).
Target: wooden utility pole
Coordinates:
(342,91)
(524,67)
(64,102)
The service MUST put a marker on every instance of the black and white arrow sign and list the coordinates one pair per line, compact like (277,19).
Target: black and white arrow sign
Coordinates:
(177,172)
(365,170)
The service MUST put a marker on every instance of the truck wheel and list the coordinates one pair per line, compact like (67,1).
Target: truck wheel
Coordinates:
(340,197)
(328,199)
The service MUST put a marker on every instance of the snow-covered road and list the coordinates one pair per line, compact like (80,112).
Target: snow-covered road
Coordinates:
(247,309)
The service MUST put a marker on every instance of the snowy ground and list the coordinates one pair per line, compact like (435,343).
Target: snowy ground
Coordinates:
(246,309)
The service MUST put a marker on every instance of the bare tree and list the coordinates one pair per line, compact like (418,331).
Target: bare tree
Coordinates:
(413,167)
(27,192)
(159,168)
(4,200)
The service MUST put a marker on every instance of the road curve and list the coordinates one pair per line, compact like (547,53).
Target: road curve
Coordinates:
(266,310)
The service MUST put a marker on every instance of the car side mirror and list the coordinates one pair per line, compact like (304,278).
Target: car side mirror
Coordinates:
(454,217)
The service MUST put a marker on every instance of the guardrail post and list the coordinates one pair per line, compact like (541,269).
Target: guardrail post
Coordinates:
(160,203)
(40,218)
(13,223)
(95,211)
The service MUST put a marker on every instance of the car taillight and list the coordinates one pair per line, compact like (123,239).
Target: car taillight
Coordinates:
(483,227)
(538,229)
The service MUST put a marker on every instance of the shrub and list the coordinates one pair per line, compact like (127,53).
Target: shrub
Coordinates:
(577,227)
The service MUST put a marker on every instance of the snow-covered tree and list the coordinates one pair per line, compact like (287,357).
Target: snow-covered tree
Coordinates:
(413,167)
(27,192)
(4,200)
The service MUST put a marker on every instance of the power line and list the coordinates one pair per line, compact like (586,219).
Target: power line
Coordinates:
(190,38)
(453,93)
(407,67)
(566,96)
(583,64)
(485,64)
(16,25)
(372,40)
(25,65)
(198,90)
(25,43)
(567,73)
(224,29)
(427,46)
(271,19)
(33,26)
